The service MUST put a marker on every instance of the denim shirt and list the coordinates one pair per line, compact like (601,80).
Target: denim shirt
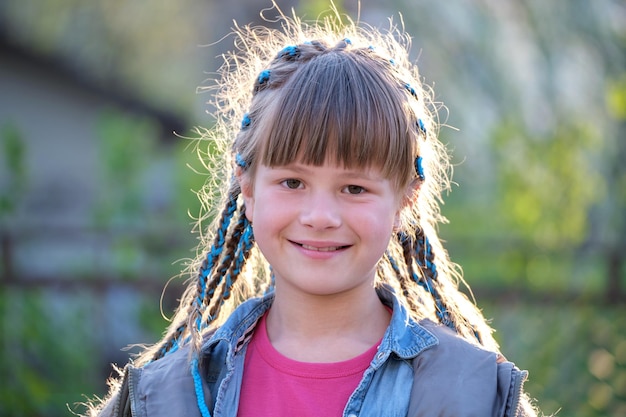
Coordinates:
(420,369)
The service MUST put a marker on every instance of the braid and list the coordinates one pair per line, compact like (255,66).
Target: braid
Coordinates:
(243,251)
(424,256)
(242,234)
(418,251)
(244,237)
(402,281)
(170,344)
(227,258)
(204,292)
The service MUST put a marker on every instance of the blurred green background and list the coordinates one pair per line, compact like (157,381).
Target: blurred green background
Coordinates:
(97,98)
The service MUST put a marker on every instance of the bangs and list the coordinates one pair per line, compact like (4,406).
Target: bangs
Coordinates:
(339,108)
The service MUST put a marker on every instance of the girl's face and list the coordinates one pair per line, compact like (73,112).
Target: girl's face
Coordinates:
(322,228)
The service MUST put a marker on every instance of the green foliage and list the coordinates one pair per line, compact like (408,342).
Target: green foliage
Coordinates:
(616,97)
(125,146)
(527,233)
(615,201)
(314,9)
(576,354)
(547,183)
(147,199)
(47,352)
(13,168)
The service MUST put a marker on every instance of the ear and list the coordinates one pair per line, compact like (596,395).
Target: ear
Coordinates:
(247,191)
(408,199)
(412,191)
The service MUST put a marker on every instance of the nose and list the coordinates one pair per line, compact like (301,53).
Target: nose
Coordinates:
(321,211)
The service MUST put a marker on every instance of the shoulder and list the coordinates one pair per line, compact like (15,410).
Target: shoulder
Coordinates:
(463,378)
(161,388)
(450,343)
(454,364)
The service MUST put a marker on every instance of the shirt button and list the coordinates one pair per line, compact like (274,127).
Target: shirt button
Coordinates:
(380,356)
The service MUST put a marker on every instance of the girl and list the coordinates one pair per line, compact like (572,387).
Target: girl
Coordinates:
(324,289)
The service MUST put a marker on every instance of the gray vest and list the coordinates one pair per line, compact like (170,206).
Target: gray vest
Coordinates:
(451,379)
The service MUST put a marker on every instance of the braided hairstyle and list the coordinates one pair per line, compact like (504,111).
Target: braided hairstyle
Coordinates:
(330,91)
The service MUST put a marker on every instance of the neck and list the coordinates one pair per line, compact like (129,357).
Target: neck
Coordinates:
(328,328)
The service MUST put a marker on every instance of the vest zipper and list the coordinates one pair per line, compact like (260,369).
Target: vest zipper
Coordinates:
(517,389)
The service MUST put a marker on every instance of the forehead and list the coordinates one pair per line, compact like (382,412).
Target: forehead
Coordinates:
(342,110)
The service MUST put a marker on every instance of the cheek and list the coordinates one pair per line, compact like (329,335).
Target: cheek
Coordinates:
(268,217)
(378,225)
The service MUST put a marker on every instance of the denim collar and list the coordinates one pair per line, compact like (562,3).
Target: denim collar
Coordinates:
(404,337)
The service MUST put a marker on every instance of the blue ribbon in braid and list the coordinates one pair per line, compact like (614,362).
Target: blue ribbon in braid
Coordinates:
(197,384)
(426,279)
(421,127)
(243,248)
(426,282)
(213,255)
(394,264)
(428,264)
(170,347)
(245,244)
(205,270)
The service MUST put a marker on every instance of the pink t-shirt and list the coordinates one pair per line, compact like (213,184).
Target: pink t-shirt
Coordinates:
(274,385)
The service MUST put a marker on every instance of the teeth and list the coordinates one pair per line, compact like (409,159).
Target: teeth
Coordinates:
(326,249)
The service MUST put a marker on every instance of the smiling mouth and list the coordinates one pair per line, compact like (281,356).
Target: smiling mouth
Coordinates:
(321,249)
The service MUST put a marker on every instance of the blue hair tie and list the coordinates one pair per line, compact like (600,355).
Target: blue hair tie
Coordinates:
(411,90)
(240,161)
(347,41)
(264,76)
(419,168)
(290,51)
(245,122)
(421,126)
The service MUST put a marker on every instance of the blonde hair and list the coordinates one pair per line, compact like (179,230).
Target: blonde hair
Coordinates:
(331,90)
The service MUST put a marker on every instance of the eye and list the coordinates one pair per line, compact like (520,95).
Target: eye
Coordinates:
(354,189)
(292,183)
